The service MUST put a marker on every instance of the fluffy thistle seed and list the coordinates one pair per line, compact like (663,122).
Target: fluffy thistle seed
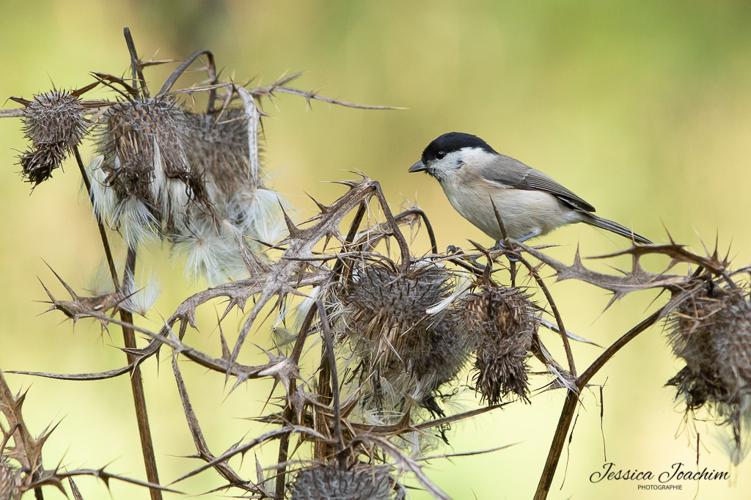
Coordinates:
(711,332)
(503,322)
(54,123)
(323,483)
(242,210)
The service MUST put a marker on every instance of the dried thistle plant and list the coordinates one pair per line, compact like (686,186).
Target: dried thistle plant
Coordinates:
(397,323)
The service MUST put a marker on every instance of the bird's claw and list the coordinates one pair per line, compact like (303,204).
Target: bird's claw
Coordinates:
(503,248)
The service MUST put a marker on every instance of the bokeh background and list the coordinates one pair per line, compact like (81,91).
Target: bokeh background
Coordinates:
(642,108)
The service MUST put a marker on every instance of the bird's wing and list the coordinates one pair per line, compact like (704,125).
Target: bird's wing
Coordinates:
(515,174)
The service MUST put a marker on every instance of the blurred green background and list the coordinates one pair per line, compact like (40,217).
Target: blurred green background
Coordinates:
(642,108)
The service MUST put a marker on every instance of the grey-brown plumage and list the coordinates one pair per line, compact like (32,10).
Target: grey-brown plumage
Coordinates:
(475,177)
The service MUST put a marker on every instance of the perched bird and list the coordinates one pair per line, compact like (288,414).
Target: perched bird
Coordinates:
(529,202)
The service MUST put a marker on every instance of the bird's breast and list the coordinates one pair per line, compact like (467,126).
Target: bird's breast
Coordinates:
(522,211)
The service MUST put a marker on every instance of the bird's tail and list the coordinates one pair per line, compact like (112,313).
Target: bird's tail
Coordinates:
(614,227)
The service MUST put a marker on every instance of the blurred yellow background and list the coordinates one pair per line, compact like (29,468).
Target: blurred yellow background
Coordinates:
(642,108)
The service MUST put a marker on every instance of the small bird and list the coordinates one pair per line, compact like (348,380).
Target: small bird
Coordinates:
(529,202)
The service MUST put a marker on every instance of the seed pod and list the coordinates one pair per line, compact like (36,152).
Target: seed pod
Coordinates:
(144,145)
(242,211)
(503,322)
(383,316)
(711,332)
(54,123)
(324,482)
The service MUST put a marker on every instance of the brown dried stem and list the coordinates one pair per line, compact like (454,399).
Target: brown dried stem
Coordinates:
(572,398)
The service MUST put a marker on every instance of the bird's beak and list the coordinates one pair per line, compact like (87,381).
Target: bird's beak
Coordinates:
(418,166)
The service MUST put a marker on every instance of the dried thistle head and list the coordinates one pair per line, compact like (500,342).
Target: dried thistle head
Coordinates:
(503,322)
(11,481)
(55,117)
(711,332)
(384,317)
(385,304)
(54,122)
(144,145)
(37,163)
(361,483)
(220,149)
(141,133)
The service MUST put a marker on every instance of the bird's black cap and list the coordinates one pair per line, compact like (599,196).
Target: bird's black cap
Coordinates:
(453,141)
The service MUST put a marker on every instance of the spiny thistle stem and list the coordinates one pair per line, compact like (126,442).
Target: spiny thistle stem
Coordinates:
(572,398)
(129,340)
(331,359)
(100,225)
(556,313)
(533,272)
(302,335)
(136,384)
(289,410)
(135,63)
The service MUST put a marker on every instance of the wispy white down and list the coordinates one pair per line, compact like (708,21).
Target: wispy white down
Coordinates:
(135,221)
(158,178)
(723,434)
(140,298)
(101,281)
(102,195)
(212,252)
(460,290)
(300,311)
(260,214)
(171,194)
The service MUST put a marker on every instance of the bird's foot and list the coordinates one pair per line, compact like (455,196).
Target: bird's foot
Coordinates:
(502,247)
(453,249)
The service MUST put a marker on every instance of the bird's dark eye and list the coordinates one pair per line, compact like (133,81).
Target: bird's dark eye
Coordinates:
(440,155)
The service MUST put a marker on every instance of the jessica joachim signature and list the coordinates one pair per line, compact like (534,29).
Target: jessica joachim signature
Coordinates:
(677,472)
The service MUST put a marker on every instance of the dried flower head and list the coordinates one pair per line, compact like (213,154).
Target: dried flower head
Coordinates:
(55,117)
(54,122)
(187,178)
(245,210)
(219,147)
(384,317)
(37,163)
(320,483)
(144,146)
(10,481)
(503,322)
(711,332)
